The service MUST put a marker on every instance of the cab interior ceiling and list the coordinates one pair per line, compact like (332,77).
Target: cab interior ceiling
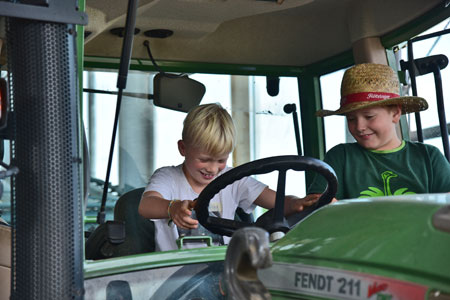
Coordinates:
(250,32)
(283,33)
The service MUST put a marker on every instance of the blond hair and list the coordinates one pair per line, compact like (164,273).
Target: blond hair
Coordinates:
(210,127)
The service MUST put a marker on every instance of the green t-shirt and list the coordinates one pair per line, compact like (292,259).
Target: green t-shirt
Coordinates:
(412,168)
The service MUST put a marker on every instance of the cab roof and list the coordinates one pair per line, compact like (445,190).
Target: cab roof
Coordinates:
(260,32)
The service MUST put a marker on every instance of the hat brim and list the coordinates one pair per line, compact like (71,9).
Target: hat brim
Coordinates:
(409,104)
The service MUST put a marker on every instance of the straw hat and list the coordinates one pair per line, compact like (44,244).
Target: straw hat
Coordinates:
(367,85)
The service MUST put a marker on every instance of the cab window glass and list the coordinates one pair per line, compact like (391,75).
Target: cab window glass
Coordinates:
(336,131)
(426,85)
(274,131)
(147,135)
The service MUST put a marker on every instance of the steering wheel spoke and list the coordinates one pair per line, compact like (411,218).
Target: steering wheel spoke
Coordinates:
(280,195)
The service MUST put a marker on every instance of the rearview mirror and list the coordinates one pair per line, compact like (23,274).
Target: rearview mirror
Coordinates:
(177,93)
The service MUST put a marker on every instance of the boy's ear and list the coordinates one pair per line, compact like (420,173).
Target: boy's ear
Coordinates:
(397,110)
(181,147)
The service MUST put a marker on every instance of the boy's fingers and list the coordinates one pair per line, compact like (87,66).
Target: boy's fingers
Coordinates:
(302,203)
(187,211)
(187,220)
(298,206)
(313,198)
(185,207)
(188,223)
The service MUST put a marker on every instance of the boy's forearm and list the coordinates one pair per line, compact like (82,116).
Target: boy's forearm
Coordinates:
(153,207)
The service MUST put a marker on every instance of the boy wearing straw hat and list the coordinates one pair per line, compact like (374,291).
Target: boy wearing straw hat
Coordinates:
(380,163)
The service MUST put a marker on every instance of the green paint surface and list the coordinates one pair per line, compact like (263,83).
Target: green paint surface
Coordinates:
(152,260)
(391,237)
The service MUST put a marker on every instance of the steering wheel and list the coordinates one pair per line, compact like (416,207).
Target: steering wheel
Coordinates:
(273,220)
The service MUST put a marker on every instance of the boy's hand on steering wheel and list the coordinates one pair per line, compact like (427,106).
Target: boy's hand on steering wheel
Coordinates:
(181,212)
(298,204)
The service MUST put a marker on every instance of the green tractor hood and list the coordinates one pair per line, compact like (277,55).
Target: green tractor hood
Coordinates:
(382,248)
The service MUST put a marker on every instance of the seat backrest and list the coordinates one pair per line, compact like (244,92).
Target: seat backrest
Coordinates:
(140,232)
(5,261)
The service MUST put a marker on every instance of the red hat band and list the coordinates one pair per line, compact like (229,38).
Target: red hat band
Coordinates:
(366,96)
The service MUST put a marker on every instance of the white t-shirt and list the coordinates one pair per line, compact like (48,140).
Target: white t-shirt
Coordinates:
(172,184)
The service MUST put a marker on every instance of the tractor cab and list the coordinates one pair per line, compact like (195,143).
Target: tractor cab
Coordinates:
(93,98)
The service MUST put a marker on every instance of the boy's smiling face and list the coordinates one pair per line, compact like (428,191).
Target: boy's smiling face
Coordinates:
(200,167)
(374,127)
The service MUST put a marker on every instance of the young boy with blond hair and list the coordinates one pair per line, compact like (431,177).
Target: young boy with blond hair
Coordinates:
(208,138)
(380,163)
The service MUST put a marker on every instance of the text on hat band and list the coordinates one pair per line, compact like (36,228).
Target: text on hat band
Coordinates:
(366,96)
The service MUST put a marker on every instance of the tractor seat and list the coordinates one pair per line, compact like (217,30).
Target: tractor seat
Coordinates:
(139,231)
